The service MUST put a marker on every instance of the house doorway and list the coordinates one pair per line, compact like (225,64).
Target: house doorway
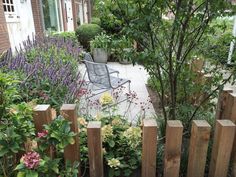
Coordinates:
(69,15)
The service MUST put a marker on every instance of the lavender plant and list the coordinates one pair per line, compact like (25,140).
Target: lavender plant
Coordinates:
(48,70)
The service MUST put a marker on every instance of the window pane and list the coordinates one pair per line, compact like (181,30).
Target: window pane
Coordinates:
(8,8)
(11,1)
(3,1)
(50,15)
(5,8)
(12,9)
(7,1)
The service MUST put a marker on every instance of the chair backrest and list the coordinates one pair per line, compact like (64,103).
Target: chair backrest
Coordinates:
(98,74)
(88,57)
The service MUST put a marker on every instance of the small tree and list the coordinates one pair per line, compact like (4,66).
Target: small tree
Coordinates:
(168,33)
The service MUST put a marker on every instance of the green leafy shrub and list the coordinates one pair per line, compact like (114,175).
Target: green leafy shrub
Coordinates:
(217,47)
(86,32)
(17,130)
(56,135)
(101,41)
(122,49)
(96,21)
(121,141)
(67,36)
(47,69)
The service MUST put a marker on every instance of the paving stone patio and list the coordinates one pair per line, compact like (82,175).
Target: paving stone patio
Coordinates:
(138,77)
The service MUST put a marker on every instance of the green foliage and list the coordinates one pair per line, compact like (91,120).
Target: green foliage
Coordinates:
(56,135)
(96,20)
(215,44)
(168,33)
(15,124)
(101,41)
(67,36)
(109,22)
(123,49)
(17,128)
(121,141)
(87,32)
(59,134)
(47,69)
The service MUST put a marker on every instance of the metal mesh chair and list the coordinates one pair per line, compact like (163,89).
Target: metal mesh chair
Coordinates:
(88,57)
(99,76)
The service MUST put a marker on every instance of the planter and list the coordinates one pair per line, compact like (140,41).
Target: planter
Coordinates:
(124,59)
(100,55)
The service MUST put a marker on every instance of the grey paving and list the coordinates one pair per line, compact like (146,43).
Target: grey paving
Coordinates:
(140,107)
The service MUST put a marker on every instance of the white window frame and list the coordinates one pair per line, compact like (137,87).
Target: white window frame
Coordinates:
(11,16)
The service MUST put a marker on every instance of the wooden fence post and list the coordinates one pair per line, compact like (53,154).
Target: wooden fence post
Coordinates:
(42,115)
(174,133)
(200,135)
(222,101)
(72,151)
(95,149)
(149,148)
(222,147)
(230,113)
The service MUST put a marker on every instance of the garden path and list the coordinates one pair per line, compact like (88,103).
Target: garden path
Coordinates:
(138,77)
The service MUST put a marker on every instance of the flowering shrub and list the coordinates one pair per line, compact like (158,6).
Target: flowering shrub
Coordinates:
(121,141)
(47,69)
(106,99)
(17,133)
(31,160)
(52,140)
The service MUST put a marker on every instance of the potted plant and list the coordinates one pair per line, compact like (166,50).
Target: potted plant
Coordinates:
(100,47)
(124,50)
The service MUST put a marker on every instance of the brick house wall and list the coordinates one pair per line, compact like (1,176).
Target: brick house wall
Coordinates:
(4,39)
(37,17)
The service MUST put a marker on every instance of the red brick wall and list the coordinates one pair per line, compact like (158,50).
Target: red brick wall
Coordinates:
(74,13)
(37,17)
(4,39)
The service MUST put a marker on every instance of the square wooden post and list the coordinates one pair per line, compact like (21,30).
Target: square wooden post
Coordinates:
(42,115)
(149,148)
(230,113)
(222,147)
(95,149)
(72,151)
(222,101)
(174,132)
(200,135)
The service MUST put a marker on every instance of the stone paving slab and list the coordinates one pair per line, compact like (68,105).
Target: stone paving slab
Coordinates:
(138,77)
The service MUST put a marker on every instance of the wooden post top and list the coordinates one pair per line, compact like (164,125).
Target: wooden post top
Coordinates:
(174,123)
(149,123)
(226,123)
(94,124)
(232,94)
(228,88)
(201,123)
(42,107)
(68,107)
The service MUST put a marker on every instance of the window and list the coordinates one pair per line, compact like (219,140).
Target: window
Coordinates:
(10,10)
(51,15)
(8,6)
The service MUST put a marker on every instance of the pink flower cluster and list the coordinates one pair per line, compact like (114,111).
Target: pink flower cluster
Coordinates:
(42,134)
(31,160)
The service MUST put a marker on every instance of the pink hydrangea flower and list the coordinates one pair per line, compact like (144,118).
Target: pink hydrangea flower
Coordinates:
(42,134)
(31,160)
